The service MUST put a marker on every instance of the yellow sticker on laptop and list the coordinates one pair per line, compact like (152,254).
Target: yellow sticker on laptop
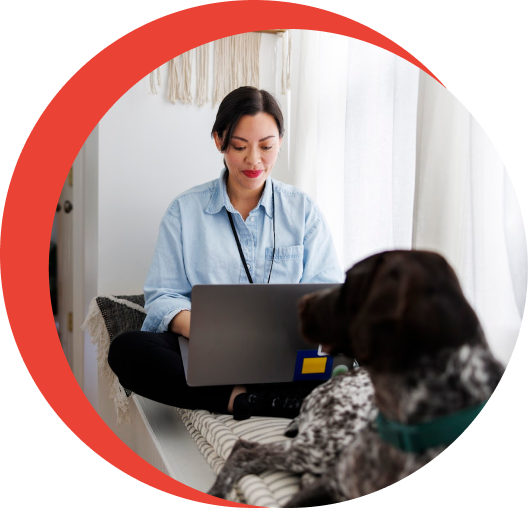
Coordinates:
(311,366)
(314,365)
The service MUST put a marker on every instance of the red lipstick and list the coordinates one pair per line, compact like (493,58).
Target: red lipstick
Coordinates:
(253,174)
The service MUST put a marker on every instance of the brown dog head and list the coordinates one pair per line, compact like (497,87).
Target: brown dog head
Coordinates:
(393,308)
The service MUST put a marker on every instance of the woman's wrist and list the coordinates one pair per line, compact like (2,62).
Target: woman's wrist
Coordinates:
(181,323)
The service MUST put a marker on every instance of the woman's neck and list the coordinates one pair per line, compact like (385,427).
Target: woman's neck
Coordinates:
(244,200)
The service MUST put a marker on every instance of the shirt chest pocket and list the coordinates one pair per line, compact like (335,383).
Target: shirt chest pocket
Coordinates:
(287,264)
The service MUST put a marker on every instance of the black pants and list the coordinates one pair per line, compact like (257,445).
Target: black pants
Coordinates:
(150,365)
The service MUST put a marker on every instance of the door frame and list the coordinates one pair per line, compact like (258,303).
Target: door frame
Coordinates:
(77,347)
(85,261)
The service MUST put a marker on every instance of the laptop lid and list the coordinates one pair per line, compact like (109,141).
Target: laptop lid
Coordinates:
(249,333)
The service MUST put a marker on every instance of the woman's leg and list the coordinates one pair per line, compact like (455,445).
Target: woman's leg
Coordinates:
(150,365)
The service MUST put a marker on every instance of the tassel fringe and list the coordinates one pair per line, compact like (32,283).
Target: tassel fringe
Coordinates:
(236,63)
(180,71)
(95,326)
(202,74)
(155,81)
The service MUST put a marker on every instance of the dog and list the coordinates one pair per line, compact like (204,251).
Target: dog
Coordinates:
(424,359)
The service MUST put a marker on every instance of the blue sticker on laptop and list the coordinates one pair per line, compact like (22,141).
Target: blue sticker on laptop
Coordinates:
(311,366)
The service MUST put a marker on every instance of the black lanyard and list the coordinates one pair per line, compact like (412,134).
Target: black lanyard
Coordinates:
(238,241)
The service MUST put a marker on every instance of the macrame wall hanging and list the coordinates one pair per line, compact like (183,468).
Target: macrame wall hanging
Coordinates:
(236,63)
(155,81)
(180,70)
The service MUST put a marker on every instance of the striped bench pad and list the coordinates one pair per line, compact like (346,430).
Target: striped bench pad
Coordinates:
(216,435)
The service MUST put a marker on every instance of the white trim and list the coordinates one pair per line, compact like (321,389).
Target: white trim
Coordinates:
(89,244)
(78,268)
(147,444)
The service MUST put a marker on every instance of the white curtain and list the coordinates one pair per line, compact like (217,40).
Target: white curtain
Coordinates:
(394,161)
(465,208)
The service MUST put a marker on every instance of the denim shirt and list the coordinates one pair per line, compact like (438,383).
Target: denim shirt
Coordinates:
(196,246)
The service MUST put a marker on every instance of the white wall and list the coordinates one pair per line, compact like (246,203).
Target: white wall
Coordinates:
(150,151)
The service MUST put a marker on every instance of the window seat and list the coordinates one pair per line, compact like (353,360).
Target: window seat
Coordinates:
(191,446)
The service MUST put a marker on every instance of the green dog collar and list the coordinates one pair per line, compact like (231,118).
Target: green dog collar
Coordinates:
(422,436)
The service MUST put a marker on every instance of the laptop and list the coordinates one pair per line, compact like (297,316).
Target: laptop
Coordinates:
(249,333)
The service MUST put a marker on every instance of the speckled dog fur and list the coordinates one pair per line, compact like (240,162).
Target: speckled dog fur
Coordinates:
(330,419)
(402,314)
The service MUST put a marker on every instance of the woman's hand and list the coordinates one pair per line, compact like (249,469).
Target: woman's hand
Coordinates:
(181,323)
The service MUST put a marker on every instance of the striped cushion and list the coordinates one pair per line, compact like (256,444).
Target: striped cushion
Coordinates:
(216,435)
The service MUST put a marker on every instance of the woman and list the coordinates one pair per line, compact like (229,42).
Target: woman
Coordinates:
(283,239)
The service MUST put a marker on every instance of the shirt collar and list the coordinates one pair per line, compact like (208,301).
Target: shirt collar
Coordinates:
(220,199)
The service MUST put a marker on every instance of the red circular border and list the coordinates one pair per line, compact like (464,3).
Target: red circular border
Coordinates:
(45,161)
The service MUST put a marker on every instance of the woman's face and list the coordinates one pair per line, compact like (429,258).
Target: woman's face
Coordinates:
(252,152)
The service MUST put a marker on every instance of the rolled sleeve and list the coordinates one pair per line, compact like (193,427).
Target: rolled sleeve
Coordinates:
(167,288)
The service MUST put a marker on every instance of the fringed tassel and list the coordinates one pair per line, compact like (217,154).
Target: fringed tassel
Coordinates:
(236,63)
(174,80)
(202,74)
(155,81)
(251,60)
(153,89)
(94,325)
(180,72)
(286,62)
(186,93)
(218,85)
(255,61)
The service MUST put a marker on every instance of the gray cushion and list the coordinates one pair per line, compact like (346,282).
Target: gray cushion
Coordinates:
(118,316)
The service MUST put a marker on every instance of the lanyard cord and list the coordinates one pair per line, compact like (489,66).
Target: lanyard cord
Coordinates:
(238,241)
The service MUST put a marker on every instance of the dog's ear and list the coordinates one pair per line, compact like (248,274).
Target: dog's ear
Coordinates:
(360,285)
(382,303)
(439,316)
(359,281)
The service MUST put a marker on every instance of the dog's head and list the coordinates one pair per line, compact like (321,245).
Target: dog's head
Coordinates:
(393,308)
